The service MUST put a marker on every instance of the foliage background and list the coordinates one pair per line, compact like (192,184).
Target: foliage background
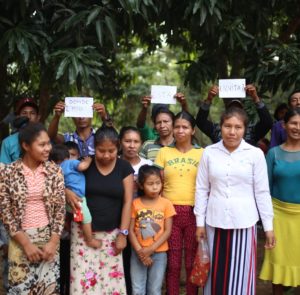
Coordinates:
(114,50)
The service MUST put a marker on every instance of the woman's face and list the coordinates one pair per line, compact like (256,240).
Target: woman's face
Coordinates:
(164,124)
(233,130)
(183,131)
(39,149)
(106,152)
(130,144)
(292,128)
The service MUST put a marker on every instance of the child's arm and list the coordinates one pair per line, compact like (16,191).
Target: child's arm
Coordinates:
(132,237)
(147,261)
(84,164)
(147,251)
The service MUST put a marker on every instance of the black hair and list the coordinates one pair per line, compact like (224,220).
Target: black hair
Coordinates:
(71,145)
(280,107)
(186,116)
(233,112)
(162,110)
(291,113)
(291,94)
(144,172)
(30,132)
(107,133)
(59,153)
(126,129)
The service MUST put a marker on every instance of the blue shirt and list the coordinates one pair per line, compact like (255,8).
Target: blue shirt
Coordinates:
(284,174)
(86,147)
(10,149)
(74,180)
(278,134)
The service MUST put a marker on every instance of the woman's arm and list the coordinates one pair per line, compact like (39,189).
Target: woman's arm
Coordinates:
(126,210)
(202,193)
(261,190)
(59,204)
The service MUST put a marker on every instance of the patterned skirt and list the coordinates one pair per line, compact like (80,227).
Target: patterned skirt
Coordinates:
(233,261)
(95,271)
(25,277)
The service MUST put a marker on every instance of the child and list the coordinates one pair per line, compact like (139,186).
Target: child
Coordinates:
(75,181)
(150,228)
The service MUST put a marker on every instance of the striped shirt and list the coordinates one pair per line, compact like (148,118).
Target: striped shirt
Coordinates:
(35,211)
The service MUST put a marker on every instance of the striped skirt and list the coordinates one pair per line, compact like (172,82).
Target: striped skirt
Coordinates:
(233,261)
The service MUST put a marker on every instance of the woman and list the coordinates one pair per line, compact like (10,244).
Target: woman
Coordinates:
(282,264)
(163,120)
(179,164)
(131,142)
(109,189)
(33,209)
(231,192)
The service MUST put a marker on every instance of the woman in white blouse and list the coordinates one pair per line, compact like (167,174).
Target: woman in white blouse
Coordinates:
(232,191)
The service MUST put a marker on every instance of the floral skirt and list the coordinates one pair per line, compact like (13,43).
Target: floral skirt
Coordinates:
(25,277)
(95,271)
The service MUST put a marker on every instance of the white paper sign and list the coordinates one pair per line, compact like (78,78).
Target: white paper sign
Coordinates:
(80,107)
(163,94)
(232,88)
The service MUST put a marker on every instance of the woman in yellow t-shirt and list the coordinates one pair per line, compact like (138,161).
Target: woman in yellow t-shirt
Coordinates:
(179,164)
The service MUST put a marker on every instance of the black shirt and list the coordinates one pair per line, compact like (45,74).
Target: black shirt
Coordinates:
(104,195)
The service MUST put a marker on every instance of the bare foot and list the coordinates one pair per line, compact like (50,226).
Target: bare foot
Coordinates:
(93,243)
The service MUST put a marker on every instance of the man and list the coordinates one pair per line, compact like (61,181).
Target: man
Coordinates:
(254,132)
(83,135)
(10,148)
(278,134)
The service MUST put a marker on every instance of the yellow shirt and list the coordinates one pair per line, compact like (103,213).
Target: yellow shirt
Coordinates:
(180,170)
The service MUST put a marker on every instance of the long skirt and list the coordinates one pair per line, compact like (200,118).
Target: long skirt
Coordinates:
(95,271)
(233,261)
(282,264)
(25,277)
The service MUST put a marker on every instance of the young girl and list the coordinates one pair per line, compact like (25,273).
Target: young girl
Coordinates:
(150,228)
(109,183)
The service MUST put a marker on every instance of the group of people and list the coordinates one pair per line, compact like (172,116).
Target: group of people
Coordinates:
(134,202)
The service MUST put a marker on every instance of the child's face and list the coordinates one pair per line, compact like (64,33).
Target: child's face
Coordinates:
(152,186)
(74,154)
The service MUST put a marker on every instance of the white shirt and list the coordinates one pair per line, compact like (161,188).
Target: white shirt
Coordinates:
(142,162)
(232,189)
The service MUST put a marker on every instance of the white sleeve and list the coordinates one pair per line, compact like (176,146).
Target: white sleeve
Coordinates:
(202,190)
(262,191)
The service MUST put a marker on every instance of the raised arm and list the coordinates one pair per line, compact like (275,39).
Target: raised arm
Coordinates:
(202,122)
(53,126)
(141,119)
(264,125)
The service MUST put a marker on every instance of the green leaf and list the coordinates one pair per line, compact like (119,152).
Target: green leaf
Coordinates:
(111,27)
(203,14)
(98,26)
(92,16)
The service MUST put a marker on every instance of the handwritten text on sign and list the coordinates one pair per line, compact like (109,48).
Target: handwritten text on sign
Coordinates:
(163,94)
(232,88)
(79,107)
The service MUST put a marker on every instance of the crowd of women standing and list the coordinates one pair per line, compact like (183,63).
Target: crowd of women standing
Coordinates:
(147,212)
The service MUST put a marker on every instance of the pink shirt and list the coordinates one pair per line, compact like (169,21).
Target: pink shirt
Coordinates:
(35,211)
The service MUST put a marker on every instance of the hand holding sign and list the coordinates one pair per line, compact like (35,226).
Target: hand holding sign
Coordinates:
(232,88)
(79,107)
(163,94)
